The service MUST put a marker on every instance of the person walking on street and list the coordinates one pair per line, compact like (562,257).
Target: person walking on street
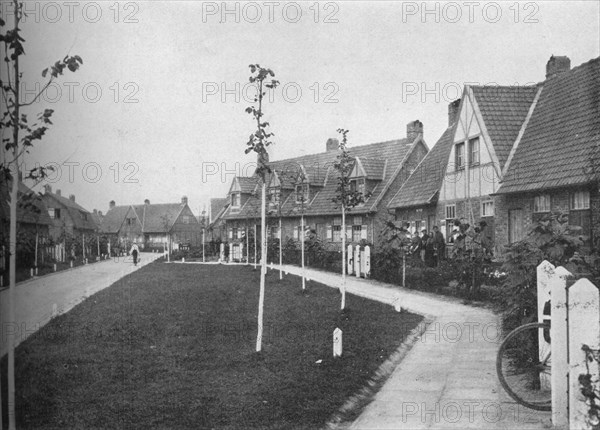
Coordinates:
(134,253)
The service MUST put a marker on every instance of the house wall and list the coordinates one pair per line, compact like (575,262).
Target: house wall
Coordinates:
(560,199)
(129,233)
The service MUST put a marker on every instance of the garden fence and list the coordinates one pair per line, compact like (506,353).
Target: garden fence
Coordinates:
(575,316)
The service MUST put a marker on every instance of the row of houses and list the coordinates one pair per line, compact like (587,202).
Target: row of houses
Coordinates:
(51,217)
(509,156)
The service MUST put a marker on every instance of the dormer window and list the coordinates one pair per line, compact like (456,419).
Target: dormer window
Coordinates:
(236,200)
(358,185)
(302,193)
(274,196)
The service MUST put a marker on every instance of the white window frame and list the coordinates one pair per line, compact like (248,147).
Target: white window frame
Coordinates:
(579,200)
(543,198)
(336,233)
(462,163)
(274,192)
(472,141)
(236,200)
(453,209)
(305,193)
(489,203)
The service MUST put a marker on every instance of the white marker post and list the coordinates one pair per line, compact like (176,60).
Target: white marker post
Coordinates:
(337,343)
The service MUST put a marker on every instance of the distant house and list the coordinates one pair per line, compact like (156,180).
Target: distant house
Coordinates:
(153,225)
(69,219)
(554,164)
(307,184)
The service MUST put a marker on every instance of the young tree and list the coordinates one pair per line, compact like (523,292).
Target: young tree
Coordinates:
(14,147)
(258,142)
(345,196)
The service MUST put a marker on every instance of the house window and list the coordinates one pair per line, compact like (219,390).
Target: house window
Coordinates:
(358,185)
(274,196)
(302,193)
(474,151)
(459,156)
(418,226)
(451,212)
(541,203)
(337,233)
(236,200)
(130,221)
(357,220)
(356,233)
(337,221)
(54,213)
(83,215)
(185,219)
(580,200)
(450,217)
(234,233)
(487,208)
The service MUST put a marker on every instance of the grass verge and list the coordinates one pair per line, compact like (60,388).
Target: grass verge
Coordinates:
(173,346)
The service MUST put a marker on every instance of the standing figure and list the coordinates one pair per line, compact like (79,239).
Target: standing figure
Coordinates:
(134,253)
(439,244)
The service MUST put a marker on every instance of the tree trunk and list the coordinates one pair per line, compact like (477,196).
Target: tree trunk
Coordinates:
(263,271)
(280,251)
(343,306)
(302,251)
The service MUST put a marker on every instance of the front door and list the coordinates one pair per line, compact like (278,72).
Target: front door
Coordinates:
(515,225)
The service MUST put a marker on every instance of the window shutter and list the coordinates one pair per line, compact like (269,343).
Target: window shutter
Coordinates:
(230,233)
(329,233)
(363,232)
(348,232)
(239,233)
(296,232)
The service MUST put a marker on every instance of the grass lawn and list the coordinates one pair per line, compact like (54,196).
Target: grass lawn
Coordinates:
(173,346)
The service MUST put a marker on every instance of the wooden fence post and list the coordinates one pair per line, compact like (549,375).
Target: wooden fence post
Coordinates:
(357,261)
(558,335)
(584,329)
(545,271)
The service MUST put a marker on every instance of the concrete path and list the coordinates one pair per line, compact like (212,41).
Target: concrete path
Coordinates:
(448,379)
(38,299)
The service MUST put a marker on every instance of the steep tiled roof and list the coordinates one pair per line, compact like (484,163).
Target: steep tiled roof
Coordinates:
(422,187)
(113,219)
(504,109)
(374,167)
(393,152)
(97,219)
(216,206)
(560,142)
(158,218)
(30,209)
(75,210)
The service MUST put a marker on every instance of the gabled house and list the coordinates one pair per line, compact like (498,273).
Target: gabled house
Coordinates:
(69,219)
(153,225)
(216,225)
(416,201)
(307,185)
(554,164)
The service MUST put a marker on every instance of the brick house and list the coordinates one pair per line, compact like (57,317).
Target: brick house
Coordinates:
(69,219)
(308,184)
(416,201)
(554,165)
(152,225)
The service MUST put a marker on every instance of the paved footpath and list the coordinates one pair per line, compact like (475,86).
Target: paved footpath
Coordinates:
(38,299)
(448,378)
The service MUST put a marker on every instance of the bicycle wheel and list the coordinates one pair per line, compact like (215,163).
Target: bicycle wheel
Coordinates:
(523,365)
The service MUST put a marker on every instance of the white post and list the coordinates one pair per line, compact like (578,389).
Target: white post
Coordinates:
(36,248)
(255,245)
(403,268)
(350,261)
(337,343)
(55,267)
(230,252)
(109,254)
(302,251)
(584,329)
(247,244)
(558,334)
(203,253)
(98,243)
(367,261)
(545,271)
(343,306)
(357,261)
(83,246)
(280,251)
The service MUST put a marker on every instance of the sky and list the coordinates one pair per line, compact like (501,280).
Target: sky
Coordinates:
(157,110)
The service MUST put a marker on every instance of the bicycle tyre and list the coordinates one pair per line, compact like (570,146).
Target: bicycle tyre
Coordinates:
(504,362)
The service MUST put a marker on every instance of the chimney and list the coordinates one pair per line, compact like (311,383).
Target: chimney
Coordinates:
(332,144)
(557,65)
(100,213)
(72,197)
(47,189)
(184,200)
(413,129)
(146,202)
(111,204)
(58,192)
(95,211)
(453,111)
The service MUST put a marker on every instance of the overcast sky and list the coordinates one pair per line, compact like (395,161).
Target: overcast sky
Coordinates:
(157,109)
